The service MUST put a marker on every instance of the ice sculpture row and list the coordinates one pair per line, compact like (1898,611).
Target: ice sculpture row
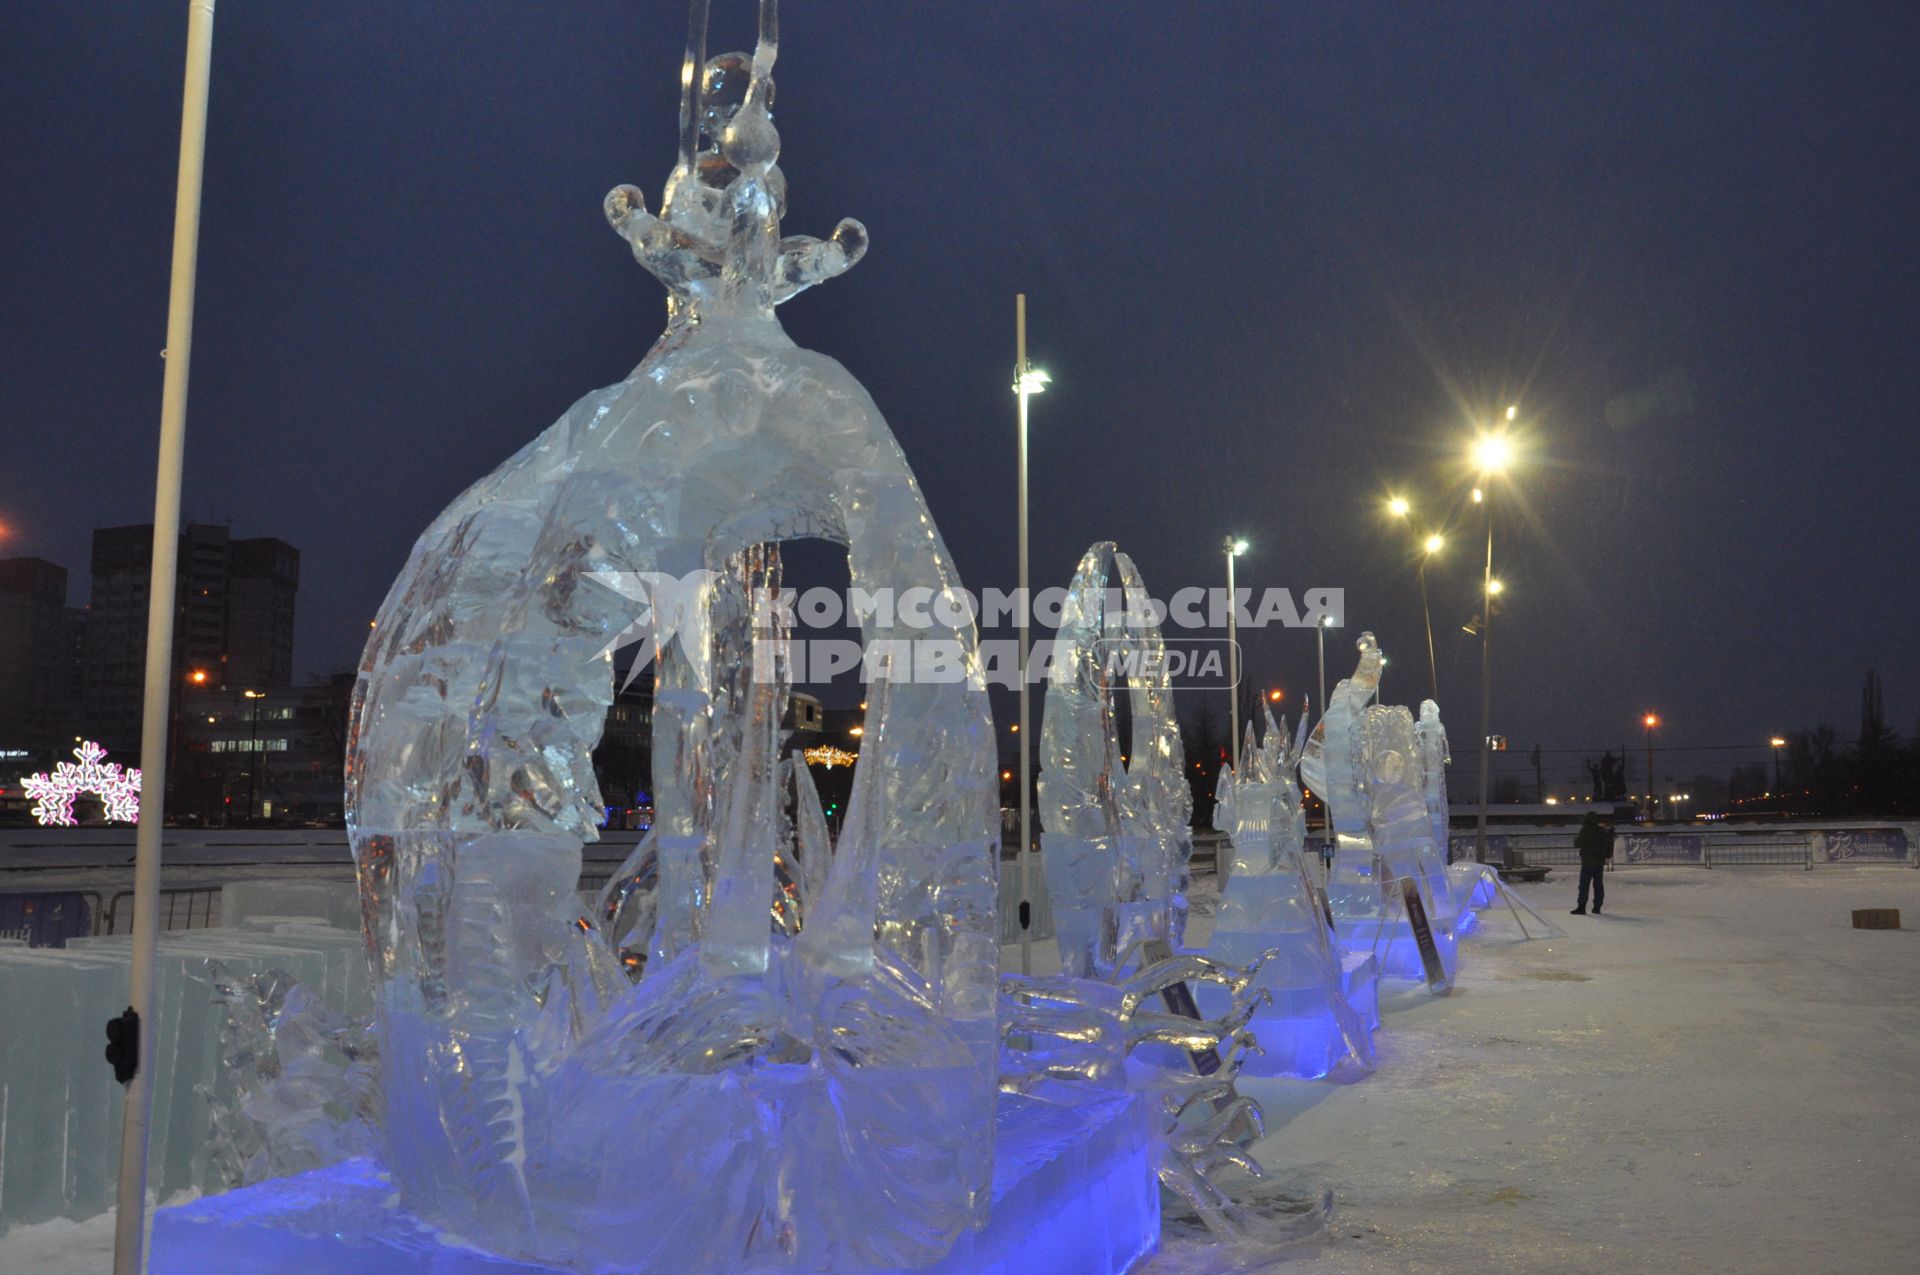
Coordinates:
(760,1048)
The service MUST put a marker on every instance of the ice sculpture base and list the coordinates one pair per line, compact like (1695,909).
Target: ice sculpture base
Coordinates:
(1394,946)
(1074,1193)
(1298,1035)
(1479,883)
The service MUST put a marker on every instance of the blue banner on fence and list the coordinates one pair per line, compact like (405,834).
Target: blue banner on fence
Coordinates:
(1860,845)
(44,920)
(1662,847)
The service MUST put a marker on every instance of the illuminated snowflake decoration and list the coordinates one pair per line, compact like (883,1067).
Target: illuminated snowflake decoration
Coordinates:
(53,794)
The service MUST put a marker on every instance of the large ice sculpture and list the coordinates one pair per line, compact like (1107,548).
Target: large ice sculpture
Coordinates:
(1317,1017)
(819,1102)
(1115,815)
(1363,761)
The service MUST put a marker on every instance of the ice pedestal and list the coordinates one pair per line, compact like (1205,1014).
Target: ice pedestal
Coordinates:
(1074,1193)
(1474,883)
(1391,942)
(1298,1032)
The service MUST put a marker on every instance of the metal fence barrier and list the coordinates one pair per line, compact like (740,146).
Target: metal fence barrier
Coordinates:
(183,908)
(1797,849)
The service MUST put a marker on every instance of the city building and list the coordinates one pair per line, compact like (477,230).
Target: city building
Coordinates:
(274,756)
(233,627)
(39,665)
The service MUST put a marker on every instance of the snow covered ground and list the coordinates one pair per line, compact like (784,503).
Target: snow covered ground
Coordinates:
(1717,1075)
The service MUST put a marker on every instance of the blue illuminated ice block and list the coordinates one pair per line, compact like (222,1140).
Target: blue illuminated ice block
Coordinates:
(1074,1193)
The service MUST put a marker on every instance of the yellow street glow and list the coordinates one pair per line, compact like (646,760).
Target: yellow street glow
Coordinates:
(1492,453)
(1494,586)
(1399,507)
(1435,543)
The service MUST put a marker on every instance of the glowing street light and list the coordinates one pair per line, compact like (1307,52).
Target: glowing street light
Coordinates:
(1399,507)
(1233,547)
(1434,544)
(198,677)
(1275,696)
(1495,588)
(1492,453)
(1777,743)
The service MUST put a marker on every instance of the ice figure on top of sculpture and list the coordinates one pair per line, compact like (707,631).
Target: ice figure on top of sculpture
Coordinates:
(812,1091)
(1318,1019)
(1363,761)
(1115,817)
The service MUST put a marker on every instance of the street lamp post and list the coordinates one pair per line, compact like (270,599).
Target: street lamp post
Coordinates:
(253,749)
(1233,548)
(1320,634)
(1027,382)
(1430,544)
(1650,721)
(1491,453)
(1778,791)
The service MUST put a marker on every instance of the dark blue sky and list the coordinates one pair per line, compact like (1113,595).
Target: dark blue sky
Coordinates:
(1279,256)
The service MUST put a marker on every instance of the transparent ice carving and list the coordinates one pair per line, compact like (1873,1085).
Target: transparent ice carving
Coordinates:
(306,1080)
(1364,762)
(1115,813)
(1069,1037)
(1271,902)
(810,1090)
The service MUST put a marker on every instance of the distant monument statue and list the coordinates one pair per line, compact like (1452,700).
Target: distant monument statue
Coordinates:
(1609,777)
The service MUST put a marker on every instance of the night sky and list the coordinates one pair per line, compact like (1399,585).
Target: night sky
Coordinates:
(1279,258)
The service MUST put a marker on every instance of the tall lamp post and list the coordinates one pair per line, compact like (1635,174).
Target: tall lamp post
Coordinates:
(1492,453)
(254,755)
(1320,635)
(1779,792)
(1027,381)
(1650,721)
(1430,544)
(1233,547)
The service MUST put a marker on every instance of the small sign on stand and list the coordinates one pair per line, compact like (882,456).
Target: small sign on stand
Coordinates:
(1437,981)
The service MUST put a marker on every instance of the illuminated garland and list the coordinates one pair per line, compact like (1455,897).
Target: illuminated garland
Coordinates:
(118,789)
(829,756)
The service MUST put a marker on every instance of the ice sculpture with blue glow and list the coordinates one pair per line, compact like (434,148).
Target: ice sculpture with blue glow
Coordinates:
(1116,837)
(757,1052)
(1363,761)
(1322,1002)
(1115,849)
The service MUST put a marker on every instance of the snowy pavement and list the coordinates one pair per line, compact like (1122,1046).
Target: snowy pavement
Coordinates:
(1717,1075)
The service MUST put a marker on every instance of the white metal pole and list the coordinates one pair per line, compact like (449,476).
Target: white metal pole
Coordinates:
(1320,632)
(1486,680)
(130,1224)
(1233,665)
(1026,603)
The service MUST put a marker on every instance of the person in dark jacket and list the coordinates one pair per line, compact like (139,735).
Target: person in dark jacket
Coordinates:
(1594,841)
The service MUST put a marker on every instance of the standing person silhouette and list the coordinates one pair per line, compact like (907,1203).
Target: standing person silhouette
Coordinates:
(1594,841)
